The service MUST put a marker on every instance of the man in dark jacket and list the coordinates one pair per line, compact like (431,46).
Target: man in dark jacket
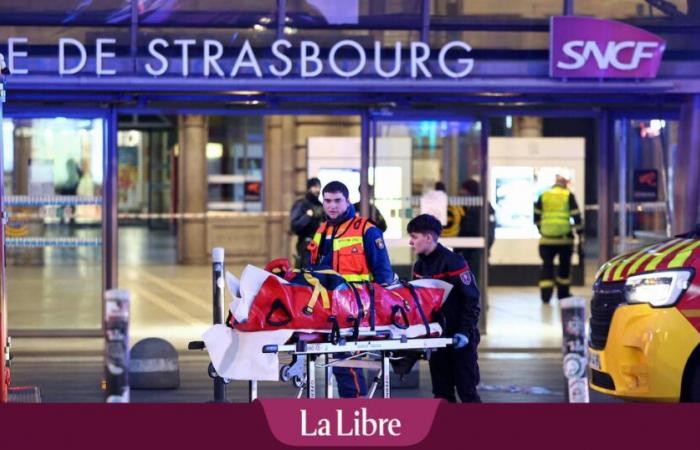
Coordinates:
(453,367)
(307,214)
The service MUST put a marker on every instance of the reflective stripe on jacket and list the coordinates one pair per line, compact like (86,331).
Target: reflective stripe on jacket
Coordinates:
(349,258)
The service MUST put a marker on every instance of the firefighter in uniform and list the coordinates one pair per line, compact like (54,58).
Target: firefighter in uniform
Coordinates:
(353,247)
(455,367)
(555,209)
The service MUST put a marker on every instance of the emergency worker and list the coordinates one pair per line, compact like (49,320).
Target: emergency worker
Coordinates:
(555,211)
(454,367)
(354,247)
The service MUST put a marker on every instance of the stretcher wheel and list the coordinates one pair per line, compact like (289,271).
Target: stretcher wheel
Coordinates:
(211,371)
(298,382)
(284,373)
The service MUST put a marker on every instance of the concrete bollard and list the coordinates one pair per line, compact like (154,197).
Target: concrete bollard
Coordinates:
(154,364)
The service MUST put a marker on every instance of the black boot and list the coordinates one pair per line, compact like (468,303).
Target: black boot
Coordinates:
(546,294)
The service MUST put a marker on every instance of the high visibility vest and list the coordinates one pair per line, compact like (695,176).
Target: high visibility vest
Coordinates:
(348,257)
(556,215)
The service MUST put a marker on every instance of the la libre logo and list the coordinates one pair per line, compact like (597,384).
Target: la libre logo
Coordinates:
(582,47)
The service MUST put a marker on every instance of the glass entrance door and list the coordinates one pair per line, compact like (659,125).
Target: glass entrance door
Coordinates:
(643,149)
(435,167)
(54,181)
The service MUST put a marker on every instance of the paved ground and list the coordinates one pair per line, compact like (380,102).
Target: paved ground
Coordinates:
(76,377)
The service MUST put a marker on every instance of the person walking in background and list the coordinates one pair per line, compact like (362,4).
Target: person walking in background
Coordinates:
(555,210)
(305,217)
(435,203)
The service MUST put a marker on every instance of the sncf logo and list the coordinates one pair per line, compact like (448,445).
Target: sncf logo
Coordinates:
(614,54)
(593,48)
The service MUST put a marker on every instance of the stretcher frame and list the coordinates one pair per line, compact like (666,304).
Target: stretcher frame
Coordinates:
(305,354)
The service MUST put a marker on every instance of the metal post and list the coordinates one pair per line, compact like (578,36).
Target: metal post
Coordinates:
(116,352)
(310,376)
(329,377)
(364,165)
(109,205)
(252,390)
(134,36)
(386,375)
(4,339)
(606,160)
(568,7)
(484,260)
(622,186)
(281,18)
(373,133)
(217,255)
(425,21)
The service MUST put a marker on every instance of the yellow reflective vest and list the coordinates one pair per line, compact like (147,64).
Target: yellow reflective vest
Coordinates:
(554,212)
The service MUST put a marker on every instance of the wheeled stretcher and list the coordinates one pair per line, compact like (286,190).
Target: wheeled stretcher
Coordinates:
(317,314)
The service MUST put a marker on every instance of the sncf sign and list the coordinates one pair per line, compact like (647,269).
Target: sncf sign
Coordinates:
(582,47)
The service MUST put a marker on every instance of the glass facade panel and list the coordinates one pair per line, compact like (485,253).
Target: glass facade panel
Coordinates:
(327,38)
(210,13)
(493,40)
(351,13)
(633,9)
(66,12)
(420,154)
(54,257)
(235,163)
(496,10)
(644,183)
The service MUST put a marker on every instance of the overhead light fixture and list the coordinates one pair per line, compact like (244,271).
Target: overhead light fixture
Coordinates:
(244,92)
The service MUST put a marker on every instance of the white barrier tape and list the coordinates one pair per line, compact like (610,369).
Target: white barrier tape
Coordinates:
(634,207)
(161,216)
(56,200)
(52,242)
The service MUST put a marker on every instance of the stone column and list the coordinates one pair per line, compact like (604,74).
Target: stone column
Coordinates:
(277,185)
(527,126)
(22,157)
(686,166)
(192,196)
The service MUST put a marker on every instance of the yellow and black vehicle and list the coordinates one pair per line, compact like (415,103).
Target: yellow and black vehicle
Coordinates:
(645,323)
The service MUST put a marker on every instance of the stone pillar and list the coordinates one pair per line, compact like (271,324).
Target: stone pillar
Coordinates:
(527,126)
(192,179)
(686,166)
(278,179)
(22,157)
